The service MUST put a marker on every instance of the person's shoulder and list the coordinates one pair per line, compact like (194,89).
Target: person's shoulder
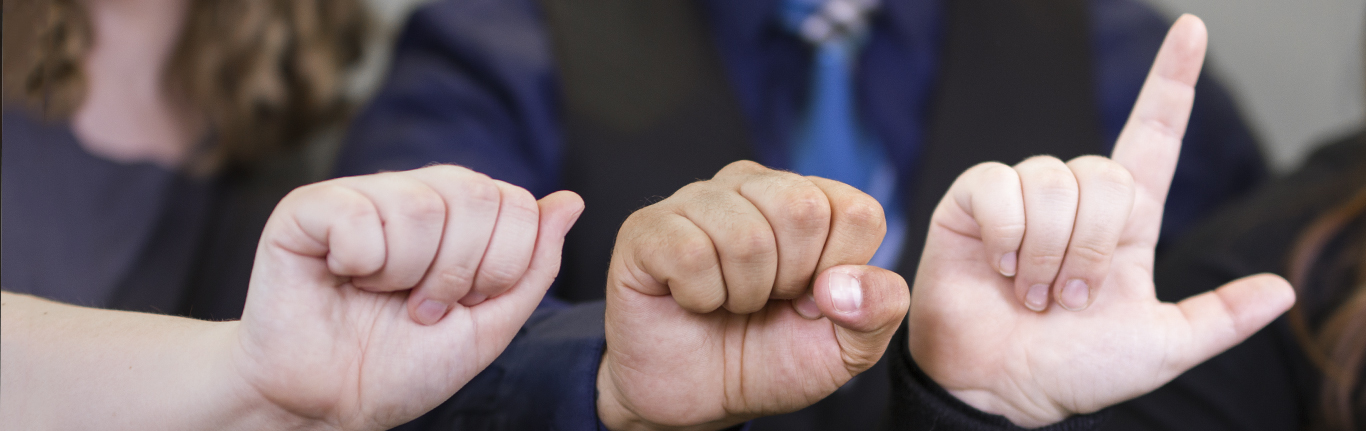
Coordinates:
(489,12)
(1341,156)
(508,28)
(1253,234)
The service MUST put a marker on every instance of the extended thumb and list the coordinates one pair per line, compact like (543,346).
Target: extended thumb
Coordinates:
(866,304)
(1226,316)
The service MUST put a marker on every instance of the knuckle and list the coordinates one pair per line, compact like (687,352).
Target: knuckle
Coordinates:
(699,300)
(739,306)
(498,275)
(864,211)
(423,206)
(1054,179)
(446,169)
(1057,188)
(482,191)
(997,171)
(1045,260)
(788,292)
(451,282)
(806,209)
(518,196)
(1009,231)
(1089,253)
(348,203)
(521,207)
(1042,160)
(696,188)
(741,167)
(694,254)
(638,221)
(753,243)
(1116,178)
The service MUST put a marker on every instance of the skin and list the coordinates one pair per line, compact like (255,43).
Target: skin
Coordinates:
(333,336)
(742,296)
(711,320)
(1091,222)
(128,114)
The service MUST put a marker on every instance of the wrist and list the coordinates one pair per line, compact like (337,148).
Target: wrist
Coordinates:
(252,407)
(616,414)
(1023,414)
(611,411)
(1010,398)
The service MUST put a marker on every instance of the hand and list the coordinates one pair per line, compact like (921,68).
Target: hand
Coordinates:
(1035,298)
(712,317)
(373,299)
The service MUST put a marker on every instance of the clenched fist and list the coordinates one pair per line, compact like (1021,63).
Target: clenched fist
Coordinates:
(375,298)
(742,296)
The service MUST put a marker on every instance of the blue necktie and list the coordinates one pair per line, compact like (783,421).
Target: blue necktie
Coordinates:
(829,141)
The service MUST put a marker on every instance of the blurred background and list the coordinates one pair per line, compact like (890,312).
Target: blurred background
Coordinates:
(1293,65)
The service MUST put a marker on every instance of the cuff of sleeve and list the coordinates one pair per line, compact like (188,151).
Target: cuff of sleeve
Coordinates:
(545,379)
(918,403)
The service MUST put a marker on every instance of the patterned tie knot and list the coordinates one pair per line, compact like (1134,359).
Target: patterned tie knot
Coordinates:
(819,21)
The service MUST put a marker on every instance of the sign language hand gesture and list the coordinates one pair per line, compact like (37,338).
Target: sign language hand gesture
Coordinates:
(373,299)
(1035,297)
(742,296)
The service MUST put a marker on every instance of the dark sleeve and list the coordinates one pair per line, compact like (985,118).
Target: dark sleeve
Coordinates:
(471,83)
(1220,157)
(918,403)
(545,379)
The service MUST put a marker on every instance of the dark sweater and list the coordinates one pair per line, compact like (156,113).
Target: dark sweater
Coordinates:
(89,231)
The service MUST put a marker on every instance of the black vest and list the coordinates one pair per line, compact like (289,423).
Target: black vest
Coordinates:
(647,108)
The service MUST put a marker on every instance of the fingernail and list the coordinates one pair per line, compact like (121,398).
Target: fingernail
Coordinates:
(806,307)
(845,292)
(1075,294)
(1037,297)
(430,311)
(1008,264)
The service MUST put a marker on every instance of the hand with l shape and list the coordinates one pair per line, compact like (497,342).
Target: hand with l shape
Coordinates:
(1035,299)
(742,296)
(372,300)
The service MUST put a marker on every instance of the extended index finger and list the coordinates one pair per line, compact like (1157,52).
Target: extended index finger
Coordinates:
(1150,143)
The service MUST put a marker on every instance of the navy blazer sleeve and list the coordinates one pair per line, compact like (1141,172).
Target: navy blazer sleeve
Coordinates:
(545,379)
(471,83)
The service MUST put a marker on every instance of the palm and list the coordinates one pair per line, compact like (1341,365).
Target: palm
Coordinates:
(355,356)
(317,346)
(344,360)
(970,328)
(1127,328)
(720,363)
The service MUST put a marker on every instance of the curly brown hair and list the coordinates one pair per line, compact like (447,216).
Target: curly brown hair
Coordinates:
(264,73)
(1336,343)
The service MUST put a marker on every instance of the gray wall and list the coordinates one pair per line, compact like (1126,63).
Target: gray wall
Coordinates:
(1294,65)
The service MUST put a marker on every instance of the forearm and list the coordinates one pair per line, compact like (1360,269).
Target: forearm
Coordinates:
(68,367)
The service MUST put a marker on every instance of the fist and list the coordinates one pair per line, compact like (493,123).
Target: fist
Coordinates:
(375,298)
(712,314)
